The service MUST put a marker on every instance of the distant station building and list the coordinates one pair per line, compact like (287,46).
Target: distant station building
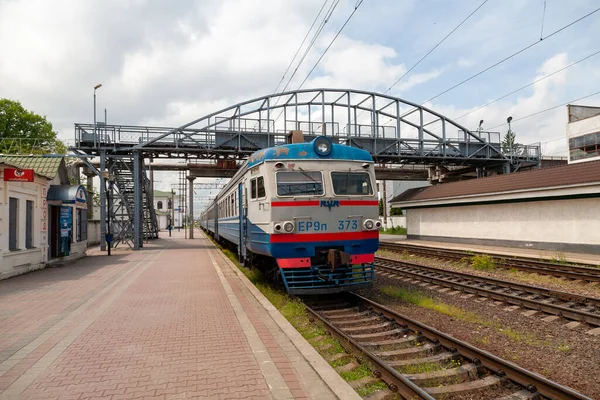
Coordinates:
(555,208)
(583,133)
(43,219)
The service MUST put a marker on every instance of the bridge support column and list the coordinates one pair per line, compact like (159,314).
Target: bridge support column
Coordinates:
(191,178)
(102,200)
(137,202)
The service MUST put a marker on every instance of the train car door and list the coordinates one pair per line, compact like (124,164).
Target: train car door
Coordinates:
(243,223)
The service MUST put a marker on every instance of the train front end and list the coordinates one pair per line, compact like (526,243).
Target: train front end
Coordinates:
(325,226)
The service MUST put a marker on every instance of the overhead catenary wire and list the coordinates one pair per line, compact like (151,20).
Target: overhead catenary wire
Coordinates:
(545,110)
(301,45)
(324,22)
(510,56)
(528,85)
(331,43)
(436,46)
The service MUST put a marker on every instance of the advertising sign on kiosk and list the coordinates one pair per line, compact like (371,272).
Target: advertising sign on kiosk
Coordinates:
(66,230)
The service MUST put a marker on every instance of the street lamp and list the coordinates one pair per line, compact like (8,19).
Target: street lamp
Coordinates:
(98,86)
(509,119)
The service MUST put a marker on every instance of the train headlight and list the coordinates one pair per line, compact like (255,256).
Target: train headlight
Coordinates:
(277,228)
(322,145)
(378,225)
(288,227)
(368,224)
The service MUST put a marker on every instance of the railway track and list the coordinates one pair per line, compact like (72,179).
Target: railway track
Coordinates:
(564,304)
(420,362)
(584,272)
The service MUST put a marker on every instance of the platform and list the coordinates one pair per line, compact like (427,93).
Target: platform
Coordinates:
(513,251)
(174,320)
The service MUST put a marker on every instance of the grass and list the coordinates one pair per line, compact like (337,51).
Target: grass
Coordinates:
(420,368)
(483,262)
(419,299)
(395,230)
(371,388)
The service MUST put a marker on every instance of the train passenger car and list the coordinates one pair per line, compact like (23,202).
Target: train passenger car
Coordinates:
(310,207)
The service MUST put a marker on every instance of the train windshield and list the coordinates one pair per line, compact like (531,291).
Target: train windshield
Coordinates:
(351,183)
(299,183)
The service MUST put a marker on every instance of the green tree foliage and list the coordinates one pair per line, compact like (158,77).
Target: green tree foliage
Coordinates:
(24,132)
(380,207)
(509,144)
(395,211)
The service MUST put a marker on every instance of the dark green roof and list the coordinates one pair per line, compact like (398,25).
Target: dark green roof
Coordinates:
(160,193)
(44,166)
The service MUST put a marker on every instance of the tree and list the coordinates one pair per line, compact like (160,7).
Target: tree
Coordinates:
(509,144)
(24,132)
(395,211)
(381,207)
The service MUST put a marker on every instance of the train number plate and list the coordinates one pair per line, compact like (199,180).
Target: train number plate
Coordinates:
(348,225)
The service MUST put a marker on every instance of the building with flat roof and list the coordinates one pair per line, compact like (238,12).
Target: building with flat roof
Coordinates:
(583,133)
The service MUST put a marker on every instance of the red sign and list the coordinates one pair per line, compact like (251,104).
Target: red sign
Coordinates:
(18,175)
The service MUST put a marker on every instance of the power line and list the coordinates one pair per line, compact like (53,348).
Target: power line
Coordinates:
(526,86)
(543,17)
(436,46)
(510,56)
(301,44)
(546,110)
(332,41)
(326,19)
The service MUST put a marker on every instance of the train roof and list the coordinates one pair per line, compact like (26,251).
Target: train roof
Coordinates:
(306,151)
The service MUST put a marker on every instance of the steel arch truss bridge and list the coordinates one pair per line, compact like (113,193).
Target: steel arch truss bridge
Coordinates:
(391,129)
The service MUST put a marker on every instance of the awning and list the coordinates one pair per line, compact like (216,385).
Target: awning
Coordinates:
(68,194)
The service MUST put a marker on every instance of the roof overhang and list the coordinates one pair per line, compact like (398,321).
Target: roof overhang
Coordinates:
(587,189)
(67,194)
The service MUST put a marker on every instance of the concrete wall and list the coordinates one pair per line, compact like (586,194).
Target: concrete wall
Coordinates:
(93,233)
(565,225)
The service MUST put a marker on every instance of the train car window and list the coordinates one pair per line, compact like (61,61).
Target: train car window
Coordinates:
(299,183)
(351,183)
(253,189)
(261,187)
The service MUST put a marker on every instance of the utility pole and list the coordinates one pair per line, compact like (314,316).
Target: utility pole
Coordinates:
(385,214)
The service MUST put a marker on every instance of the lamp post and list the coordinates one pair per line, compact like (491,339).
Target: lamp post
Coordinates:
(98,86)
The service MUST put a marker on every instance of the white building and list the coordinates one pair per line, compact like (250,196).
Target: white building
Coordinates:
(163,205)
(583,133)
(554,208)
(42,218)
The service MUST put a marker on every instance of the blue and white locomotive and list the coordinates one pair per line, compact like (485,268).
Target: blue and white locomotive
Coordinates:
(308,209)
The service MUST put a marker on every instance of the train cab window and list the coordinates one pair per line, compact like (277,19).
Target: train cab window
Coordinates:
(260,183)
(299,183)
(253,189)
(351,183)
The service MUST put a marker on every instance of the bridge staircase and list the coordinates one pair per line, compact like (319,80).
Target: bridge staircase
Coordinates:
(122,202)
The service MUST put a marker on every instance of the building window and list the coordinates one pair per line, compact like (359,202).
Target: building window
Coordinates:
(159,205)
(585,146)
(82,224)
(29,224)
(13,219)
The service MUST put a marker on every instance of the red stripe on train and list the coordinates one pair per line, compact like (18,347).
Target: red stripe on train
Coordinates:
(304,262)
(323,237)
(316,203)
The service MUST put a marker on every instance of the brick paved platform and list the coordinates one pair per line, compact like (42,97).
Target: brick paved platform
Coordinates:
(175,320)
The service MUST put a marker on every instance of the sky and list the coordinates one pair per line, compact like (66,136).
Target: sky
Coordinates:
(170,62)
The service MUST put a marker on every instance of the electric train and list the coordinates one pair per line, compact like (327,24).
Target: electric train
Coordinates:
(309,210)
